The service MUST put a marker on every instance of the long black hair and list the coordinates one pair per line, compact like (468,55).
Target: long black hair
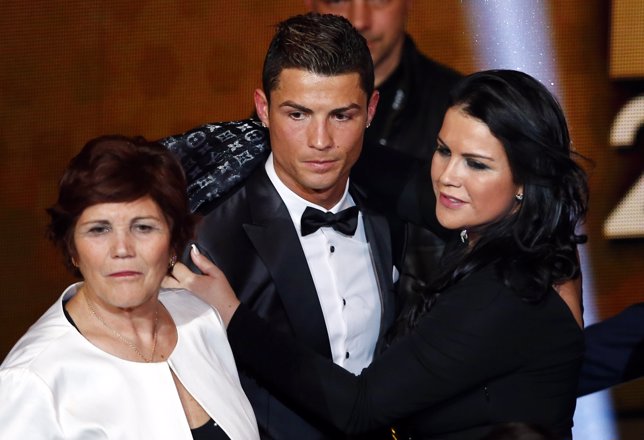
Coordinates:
(535,246)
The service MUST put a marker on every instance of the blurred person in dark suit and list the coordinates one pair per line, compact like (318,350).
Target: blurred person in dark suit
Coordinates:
(614,351)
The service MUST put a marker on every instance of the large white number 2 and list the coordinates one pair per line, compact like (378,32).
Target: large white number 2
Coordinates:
(627,219)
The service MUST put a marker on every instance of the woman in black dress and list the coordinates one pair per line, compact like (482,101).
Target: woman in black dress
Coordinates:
(491,341)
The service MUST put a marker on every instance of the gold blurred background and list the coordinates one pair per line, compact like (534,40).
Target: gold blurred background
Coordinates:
(75,69)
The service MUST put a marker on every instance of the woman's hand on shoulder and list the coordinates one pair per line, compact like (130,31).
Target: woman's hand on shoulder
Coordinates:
(212,286)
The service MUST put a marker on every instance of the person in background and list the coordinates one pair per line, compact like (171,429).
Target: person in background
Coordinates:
(491,341)
(297,240)
(614,351)
(414,94)
(117,356)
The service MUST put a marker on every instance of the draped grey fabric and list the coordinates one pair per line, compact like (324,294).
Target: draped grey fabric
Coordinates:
(217,156)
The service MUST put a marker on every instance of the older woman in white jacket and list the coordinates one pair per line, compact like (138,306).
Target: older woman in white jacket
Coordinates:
(116,356)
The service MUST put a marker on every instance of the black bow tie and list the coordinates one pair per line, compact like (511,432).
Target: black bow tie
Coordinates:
(345,221)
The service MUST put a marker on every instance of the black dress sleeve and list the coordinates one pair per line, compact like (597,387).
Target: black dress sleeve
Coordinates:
(461,343)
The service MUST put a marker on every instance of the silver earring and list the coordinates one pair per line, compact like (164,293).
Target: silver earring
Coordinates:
(263,125)
(368,124)
(519,197)
(173,261)
(74,263)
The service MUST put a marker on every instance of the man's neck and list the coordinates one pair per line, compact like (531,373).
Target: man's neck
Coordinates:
(387,66)
(326,199)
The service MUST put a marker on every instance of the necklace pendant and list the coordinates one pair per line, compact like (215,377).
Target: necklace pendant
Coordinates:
(464,236)
(125,340)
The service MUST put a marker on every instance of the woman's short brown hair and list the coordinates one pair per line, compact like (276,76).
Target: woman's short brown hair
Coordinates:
(113,169)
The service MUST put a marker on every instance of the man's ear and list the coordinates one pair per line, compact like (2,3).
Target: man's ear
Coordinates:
(261,106)
(371,106)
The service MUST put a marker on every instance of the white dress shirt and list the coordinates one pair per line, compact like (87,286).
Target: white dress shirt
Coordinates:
(344,276)
(55,384)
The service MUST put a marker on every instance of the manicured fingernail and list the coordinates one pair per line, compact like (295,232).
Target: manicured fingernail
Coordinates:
(195,249)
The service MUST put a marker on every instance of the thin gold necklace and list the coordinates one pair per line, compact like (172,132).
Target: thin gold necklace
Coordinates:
(122,338)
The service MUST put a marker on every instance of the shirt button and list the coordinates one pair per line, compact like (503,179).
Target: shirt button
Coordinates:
(346,355)
(332,249)
(344,302)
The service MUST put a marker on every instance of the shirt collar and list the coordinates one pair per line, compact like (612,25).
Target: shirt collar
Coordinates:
(296,204)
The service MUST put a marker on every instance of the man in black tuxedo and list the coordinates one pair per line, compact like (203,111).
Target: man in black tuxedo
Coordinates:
(298,241)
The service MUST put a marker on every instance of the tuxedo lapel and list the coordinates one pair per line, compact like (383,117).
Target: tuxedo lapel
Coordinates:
(379,238)
(277,244)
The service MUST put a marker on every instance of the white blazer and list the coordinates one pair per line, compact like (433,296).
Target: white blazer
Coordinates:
(55,384)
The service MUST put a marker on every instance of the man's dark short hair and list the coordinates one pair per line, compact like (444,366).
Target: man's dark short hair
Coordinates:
(323,44)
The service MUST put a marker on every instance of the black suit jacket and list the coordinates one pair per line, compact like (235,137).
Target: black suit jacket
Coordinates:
(614,351)
(413,101)
(481,356)
(251,237)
